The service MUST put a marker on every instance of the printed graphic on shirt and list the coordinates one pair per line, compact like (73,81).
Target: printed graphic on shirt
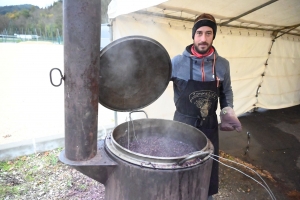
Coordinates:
(203,99)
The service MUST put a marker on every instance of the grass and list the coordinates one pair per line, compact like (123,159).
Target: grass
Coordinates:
(17,40)
(15,190)
(17,175)
(43,176)
(5,166)
(83,187)
(10,40)
(10,165)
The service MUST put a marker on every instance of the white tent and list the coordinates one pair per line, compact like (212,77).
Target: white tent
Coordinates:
(260,38)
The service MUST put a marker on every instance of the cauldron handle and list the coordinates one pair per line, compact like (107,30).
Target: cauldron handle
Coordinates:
(137,111)
(196,154)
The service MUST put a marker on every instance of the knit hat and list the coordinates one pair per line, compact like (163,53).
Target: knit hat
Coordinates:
(205,20)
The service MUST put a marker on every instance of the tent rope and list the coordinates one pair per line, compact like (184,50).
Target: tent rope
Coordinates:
(263,74)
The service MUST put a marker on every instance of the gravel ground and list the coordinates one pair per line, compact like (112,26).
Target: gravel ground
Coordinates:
(43,176)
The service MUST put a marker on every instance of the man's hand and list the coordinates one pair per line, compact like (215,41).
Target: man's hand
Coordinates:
(229,121)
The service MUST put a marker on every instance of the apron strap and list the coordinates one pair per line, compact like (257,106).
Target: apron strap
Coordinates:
(214,71)
(214,67)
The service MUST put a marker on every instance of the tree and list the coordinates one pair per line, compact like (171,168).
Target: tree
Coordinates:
(3,22)
(24,13)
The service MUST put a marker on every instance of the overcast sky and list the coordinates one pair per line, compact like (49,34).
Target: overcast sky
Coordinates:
(39,3)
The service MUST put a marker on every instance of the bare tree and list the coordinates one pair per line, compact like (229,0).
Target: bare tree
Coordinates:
(3,22)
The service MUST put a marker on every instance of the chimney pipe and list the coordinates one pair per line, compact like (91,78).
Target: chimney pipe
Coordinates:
(82,20)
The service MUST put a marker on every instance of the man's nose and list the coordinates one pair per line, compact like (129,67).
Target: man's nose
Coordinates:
(203,37)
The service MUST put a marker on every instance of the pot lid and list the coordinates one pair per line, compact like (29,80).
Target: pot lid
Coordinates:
(134,72)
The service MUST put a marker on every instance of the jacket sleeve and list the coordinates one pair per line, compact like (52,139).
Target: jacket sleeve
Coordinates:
(226,94)
(174,62)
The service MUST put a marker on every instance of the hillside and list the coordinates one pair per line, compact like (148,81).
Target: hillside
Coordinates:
(8,9)
(29,19)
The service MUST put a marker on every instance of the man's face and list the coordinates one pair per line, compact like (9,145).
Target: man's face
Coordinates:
(203,39)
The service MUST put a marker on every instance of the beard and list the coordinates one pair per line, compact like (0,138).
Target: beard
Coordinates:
(203,49)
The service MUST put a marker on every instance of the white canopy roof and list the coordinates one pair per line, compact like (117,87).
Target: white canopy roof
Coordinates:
(259,14)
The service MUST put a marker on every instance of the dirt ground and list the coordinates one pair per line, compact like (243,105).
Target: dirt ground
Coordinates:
(274,147)
(43,176)
(235,185)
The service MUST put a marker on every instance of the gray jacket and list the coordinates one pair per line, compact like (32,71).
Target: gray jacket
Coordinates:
(181,74)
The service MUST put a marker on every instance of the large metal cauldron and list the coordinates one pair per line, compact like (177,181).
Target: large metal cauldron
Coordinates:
(128,175)
(138,176)
(134,72)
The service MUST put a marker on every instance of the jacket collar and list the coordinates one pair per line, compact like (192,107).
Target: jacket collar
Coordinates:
(187,52)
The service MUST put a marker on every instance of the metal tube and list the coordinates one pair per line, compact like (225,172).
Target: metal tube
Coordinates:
(81,65)
(287,31)
(248,12)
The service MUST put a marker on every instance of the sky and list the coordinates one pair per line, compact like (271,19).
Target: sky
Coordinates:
(39,3)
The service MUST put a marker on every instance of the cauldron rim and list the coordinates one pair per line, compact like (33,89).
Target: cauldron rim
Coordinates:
(155,162)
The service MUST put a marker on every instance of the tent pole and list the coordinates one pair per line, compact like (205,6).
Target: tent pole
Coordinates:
(248,12)
(287,31)
(191,20)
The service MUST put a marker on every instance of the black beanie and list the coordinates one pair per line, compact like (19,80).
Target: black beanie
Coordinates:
(205,22)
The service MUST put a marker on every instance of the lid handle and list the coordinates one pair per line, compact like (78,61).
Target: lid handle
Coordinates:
(137,111)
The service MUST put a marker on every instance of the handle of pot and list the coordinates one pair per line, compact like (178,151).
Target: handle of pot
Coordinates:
(200,154)
(137,111)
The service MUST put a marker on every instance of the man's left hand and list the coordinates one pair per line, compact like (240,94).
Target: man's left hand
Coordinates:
(229,121)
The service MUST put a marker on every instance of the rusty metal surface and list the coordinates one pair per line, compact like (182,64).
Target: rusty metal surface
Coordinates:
(81,66)
(98,168)
(134,72)
(130,181)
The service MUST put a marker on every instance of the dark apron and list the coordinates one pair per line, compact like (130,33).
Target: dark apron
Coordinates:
(197,106)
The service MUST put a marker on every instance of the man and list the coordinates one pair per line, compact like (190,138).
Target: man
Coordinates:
(200,77)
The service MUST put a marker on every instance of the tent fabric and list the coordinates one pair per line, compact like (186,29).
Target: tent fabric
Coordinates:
(274,15)
(255,84)
(281,83)
(120,7)
(280,13)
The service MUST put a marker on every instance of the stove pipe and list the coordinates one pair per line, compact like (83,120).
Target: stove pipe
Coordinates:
(82,20)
